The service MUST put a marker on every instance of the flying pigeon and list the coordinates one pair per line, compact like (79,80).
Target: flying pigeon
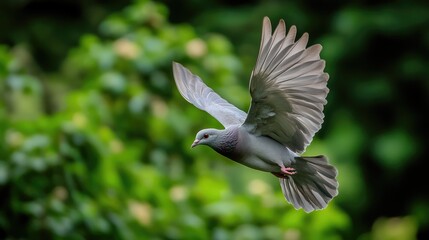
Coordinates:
(288,90)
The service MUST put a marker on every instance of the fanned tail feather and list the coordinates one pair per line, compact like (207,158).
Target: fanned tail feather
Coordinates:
(314,184)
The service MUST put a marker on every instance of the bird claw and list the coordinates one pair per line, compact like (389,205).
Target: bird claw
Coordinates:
(288,170)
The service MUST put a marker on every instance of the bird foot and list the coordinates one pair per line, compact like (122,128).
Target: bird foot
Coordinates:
(288,170)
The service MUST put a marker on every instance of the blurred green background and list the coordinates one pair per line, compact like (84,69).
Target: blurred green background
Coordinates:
(95,138)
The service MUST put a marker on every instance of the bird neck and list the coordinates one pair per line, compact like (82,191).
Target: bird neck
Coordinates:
(226,142)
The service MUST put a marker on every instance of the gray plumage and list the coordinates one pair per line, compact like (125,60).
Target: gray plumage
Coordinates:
(288,90)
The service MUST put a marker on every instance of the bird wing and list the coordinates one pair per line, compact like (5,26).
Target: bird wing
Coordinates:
(288,88)
(193,89)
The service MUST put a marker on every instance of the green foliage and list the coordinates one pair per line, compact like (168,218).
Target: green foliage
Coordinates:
(99,147)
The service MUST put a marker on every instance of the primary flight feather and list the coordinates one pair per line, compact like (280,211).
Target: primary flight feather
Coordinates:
(288,90)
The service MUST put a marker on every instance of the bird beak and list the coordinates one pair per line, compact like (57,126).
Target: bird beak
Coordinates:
(195,143)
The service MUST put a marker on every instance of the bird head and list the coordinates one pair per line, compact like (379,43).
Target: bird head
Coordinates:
(205,137)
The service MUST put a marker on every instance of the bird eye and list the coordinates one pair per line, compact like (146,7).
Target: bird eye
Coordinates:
(205,135)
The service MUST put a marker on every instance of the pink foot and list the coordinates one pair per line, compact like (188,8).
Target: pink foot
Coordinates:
(288,170)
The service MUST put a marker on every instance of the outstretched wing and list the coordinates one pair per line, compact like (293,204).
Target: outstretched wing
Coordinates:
(196,92)
(288,88)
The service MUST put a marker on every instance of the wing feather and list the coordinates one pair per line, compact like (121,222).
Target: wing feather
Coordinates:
(288,88)
(193,89)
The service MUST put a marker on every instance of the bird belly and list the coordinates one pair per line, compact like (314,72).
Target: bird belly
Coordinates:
(259,164)
(266,154)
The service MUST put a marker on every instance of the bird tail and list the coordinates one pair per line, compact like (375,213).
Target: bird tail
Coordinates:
(313,185)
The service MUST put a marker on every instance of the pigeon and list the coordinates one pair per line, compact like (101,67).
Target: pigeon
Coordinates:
(288,88)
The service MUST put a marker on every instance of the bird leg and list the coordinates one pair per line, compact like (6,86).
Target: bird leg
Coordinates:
(285,172)
(288,170)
